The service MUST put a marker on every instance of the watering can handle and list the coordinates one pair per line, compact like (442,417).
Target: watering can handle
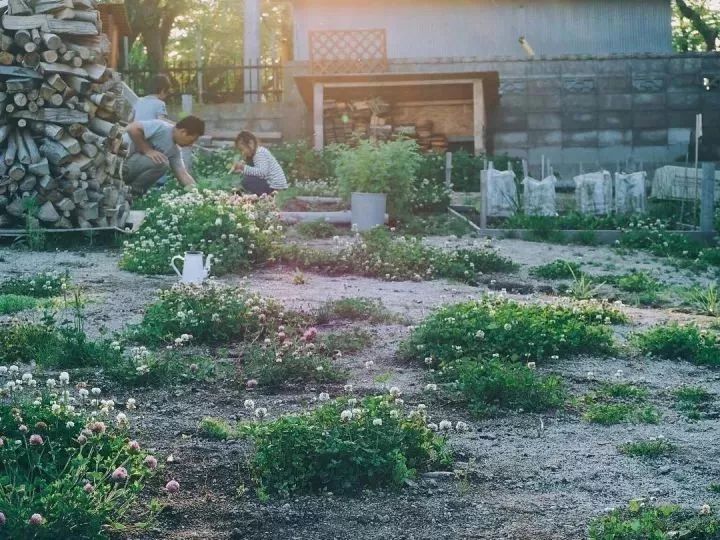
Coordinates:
(172,263)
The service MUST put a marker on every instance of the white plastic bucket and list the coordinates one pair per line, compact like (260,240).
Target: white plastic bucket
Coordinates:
(368,210)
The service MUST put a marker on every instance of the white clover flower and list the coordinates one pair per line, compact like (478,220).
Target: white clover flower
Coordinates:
(70,424)
(13,369)
(131,404)
(37,402)
(261,412)
(433,427)
(83,392)
(446,425)
(480,334)
(324,396)
(394,413)
(249,404)
(27,377)
(377,422)
(531,365)
(369,364)
(507,327)
(348,388)
(394,391)
(346,415)
(64,377)
(121,419)
(399,401)
(55,408)
(461,427)
(431,387)
(352,402)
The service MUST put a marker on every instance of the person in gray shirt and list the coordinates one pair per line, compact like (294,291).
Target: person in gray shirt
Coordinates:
(152,106)
(154,147)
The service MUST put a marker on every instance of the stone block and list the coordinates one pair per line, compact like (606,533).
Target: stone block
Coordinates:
(572,68)
(711,99)
(544,86)
(649,119)
(711,62)
(580,139)
(683,82)
(614,137)
(650,82)
(679,136)
(544,121)
(513,86)
(512,69)
(545,138)
(544,67)
(514,103)
(544,103)
(649,65)
(650,137)
(614,84)
(683,100)
(579,121)
(505,119)
(513,139)
(614,120)
(681,119)
(614,66)
(582,102)
(682,65)
(615,102)
(646,102)
(578,84)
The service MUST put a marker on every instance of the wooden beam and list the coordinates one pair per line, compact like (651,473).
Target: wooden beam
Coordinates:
(374,84)
(318,109)
(479,117)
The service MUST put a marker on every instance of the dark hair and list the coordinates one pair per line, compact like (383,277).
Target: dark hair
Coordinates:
(247,138)
(192,125)
(160,83)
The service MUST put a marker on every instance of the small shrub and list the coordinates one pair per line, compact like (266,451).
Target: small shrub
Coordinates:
(317,229)
(215,428)
(651,448)
(81,478)
(625,391)
(693,401)
(343,446)
(144,368)
(44,285)
(583,287)
(676,342)
(558,269)
(388,168)
(654,237)
(301,161)
(621,413)
(354,309)
(427,195)
(350,341)
(13,303)
(209,314)
(494,384)
(643,522)
(238,231)
(706,300)
(497,326)
(434,225)
(637,282)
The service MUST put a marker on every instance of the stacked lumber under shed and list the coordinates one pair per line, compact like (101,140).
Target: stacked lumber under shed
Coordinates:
(59,112)
(344,121)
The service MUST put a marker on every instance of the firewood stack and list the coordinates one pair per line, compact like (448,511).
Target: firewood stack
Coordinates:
(59,132)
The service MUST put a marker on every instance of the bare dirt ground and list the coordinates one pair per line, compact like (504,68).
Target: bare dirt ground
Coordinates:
(526,476)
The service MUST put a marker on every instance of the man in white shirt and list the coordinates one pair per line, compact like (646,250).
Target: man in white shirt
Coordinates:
(154,147)
(152,106)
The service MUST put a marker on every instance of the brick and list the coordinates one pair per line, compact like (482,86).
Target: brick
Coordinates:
(614,85)
(508,120)
(683,82)
(575,102)
(647,102)
(681,119)
(683,100)
(649,65)
(679,135)
(544,121)
(545,138)
(614,137)
(614,120)
(615,102)
(649,119)
(650,137)
(544,103)
(580,121)
(544,67)
(516,103)
(543,86)
(679,66)
(580,139)
(515,139)
(612,66)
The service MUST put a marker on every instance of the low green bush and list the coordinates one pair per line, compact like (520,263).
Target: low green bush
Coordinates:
(490,385)
(510,330)
(650,449)
(238,231)
(14,303)
(354,309)
(343,446)
(44,285)
(636,282)
(210,313)
(558,269)
(348,341)
(317,229)
(693,401)
(621,413)
(434,225)
(645,522)
(63,473)
(140,367)
(681,342)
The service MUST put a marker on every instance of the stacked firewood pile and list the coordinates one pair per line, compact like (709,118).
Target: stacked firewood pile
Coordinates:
(60,107)
(344,121)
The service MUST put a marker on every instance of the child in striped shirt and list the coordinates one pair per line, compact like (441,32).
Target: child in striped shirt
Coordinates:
(265,175)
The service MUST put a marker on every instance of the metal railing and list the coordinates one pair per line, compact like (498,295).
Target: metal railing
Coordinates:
(225,83)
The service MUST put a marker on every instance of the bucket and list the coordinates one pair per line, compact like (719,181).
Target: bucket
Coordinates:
(368,210)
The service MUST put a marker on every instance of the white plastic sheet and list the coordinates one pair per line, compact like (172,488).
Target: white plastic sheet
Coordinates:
(539,196)
(630,195)
(502,193)
(593,192)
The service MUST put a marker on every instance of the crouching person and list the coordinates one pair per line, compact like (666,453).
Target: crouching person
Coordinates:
(154,147)
(265,175)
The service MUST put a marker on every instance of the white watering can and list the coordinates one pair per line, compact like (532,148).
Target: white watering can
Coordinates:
(194,271)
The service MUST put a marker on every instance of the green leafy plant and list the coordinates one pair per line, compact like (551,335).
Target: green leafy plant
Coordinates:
(706,300)
(380,168)
(63,473)
(44,285)
(317,229)
(491,385)
(621,413)
(301,162)
(583,287)
(504,328)
(209,314)
(354,309)
(434,225)
(348,341)
(650,449)
(558,269)
(143,368)
(645,522)
(377,254)
(343,446)
(693,401)
(13,303)
(216,428)
(677,342)
(637,282)
(238,231)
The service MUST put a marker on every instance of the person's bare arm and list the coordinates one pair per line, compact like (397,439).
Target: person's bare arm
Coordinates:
(184,177)
(137,136)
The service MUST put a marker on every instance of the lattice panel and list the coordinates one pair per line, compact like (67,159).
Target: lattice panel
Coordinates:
(348,51)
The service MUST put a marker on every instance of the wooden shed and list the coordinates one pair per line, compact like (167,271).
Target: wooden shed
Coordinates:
(116,25)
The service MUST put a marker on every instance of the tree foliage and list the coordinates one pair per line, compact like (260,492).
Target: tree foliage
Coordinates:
(696,25)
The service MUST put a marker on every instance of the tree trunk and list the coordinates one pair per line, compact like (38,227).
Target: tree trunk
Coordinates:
(708,33)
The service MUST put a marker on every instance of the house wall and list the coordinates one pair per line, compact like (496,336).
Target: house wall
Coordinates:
(490,29)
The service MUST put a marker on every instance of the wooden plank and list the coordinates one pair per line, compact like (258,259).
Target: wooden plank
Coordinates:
(19,72)
(55,116)
(24,22)
(479,117)
(64,69)
(318,124)
(77,28)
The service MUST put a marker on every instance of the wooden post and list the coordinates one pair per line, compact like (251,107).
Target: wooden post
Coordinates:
(707,199)
(448,169)
(126,53)
(251,45)
(479,117)
(483,197)
(318,110)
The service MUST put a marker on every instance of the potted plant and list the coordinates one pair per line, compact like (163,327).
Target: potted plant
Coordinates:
(377,177)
